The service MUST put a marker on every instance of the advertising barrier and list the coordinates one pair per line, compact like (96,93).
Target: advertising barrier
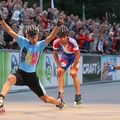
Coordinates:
(47,71)
(91,69)
(105,60)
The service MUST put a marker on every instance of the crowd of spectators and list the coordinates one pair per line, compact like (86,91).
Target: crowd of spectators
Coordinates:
(93,36)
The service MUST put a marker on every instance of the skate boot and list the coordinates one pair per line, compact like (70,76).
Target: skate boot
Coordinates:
(60,98)
(61,104)
(2,109)
(77,100)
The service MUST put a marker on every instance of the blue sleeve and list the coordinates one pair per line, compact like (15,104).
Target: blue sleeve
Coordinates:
(21,41)
(41,45)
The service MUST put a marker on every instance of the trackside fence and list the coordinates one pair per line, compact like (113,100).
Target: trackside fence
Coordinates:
(91,69)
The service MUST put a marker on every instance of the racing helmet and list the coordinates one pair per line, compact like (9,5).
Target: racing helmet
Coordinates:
(32,30)
(63,31)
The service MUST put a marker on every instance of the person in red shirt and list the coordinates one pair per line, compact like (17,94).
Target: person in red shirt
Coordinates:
(84,40)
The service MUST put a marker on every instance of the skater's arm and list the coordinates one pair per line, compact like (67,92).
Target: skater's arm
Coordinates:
(54,32)
(56,58)
(76,61)
(117,67)
(111,68)
(59,68)
(8,29)
(52,35)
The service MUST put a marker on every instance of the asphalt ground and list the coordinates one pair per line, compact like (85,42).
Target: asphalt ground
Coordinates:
(99,102)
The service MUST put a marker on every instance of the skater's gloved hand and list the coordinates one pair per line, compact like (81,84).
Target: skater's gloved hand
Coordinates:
(60,22)
(111,68)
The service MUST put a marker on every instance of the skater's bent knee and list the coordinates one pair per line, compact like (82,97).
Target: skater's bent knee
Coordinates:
(11,79)
(73,75)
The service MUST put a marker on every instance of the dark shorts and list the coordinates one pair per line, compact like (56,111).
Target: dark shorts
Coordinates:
(31,80)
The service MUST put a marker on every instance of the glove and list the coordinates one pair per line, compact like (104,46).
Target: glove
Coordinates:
(60,22)
(111,68)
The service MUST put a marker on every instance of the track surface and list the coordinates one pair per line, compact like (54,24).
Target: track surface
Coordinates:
(99,102)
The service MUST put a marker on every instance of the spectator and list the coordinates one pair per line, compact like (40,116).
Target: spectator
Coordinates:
(87,40)
(112,41)
(72,34)
(26,15)
(2,42)
(100,44)
(106,47)
(16,13)
(8,39)
(44,18)
(14,44)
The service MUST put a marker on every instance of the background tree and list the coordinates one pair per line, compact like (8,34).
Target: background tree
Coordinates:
(93,8)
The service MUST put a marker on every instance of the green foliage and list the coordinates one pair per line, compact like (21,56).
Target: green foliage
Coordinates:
(93,8)
(30,2)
